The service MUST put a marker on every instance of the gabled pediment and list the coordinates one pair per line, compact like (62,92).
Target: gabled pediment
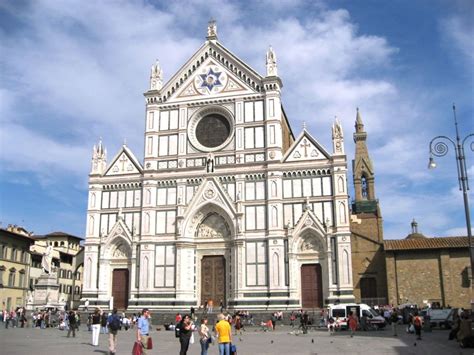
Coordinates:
(118,231)
(308,220)
(304,148)
(211,191)
(364,165)
(124,163)
(212,71)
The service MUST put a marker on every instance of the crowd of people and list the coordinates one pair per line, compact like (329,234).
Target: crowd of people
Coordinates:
(228,325)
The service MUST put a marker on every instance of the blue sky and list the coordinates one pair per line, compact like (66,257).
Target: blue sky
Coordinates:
(74,71)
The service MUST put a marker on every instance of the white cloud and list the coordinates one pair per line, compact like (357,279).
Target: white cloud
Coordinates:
(458,32)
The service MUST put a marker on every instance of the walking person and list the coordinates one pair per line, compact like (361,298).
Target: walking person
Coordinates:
(224,335)
(113,322)
(143,330)
(417,323)
(71,317)
(185,333)
(96,327)
(205,339)
(352,323)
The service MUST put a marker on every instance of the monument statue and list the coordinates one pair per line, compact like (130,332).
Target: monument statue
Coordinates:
(46,262)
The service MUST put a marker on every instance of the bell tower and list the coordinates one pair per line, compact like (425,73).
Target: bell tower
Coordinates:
(368,257)
(363,172)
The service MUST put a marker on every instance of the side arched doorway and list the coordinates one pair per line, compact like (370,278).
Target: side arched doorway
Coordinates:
(311,286)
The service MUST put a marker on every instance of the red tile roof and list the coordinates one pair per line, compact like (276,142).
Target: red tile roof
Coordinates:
(427,243)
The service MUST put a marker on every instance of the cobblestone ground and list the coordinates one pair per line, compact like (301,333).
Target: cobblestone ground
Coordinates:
(252,342)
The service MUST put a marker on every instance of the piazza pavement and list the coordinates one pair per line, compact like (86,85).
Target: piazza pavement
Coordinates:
(254,341)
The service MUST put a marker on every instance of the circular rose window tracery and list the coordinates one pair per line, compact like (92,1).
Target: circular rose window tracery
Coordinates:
(211,128)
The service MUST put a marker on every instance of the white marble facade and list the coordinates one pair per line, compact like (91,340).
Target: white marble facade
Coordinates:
(223,175)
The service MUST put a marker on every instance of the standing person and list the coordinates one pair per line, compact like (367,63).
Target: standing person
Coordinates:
(71,317)
(210,305)
(238,325)
(143,330)
(352,323)
(418,323)
(185,332)
(394,321)
(193,313)
(221,306)
(95,327)
(224,335)
(113,322)
(273,319)
(205,336)
(206,307)
(86,305)
(103,323)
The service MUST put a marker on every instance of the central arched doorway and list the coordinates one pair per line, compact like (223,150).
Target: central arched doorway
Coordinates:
(311,286)
(212,235)
(213,279)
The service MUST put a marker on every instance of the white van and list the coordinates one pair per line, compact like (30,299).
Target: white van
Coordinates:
(341,311)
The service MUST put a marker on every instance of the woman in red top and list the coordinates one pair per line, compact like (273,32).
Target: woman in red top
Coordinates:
(352,323)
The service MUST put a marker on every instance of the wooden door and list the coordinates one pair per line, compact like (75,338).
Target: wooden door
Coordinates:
(120,288)
(311,286)
(213,280)
(368,287)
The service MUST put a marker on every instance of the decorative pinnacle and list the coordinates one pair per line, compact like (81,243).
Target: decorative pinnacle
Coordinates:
(304,125)
(212,30)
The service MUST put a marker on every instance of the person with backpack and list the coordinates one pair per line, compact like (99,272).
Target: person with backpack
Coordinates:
(417,323)
(113,322)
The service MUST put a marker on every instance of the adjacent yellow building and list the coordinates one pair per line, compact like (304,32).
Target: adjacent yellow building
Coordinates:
(15,259)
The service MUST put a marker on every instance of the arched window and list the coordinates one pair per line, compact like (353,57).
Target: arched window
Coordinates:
(364,187)
(276,269)
(274,189)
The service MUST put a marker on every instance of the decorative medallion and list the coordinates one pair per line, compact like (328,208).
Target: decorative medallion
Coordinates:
(211,80)
(308,222)
(210,194)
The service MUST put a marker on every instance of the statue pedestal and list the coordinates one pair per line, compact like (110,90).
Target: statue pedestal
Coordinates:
(46,293)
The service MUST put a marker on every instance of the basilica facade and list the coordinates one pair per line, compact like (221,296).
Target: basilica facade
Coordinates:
(228,205)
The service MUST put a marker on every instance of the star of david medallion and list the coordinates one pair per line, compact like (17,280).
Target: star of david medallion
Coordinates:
(210,79)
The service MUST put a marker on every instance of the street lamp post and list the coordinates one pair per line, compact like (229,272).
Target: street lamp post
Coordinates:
(439,148)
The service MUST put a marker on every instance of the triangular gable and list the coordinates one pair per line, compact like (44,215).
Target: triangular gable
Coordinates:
(308,220)
(119,229)
(363,164)
(212,70)
(305,147)
(211,79)
(211,191)
(124,163)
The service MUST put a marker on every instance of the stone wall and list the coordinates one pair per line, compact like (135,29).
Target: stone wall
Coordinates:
(417,276)
(368,258)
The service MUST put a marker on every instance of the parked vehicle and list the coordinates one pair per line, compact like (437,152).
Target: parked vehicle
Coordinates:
(438,317)
(342,310)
